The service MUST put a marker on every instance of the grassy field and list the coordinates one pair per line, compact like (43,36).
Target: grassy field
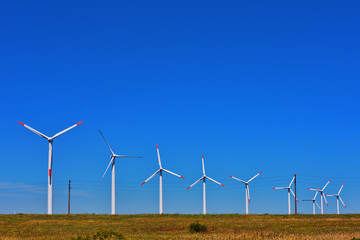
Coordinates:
(23,226)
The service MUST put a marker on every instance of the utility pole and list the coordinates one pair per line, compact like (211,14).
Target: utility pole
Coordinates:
(295,195)
(69,197)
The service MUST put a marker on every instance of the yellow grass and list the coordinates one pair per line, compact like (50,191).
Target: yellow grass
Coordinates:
(177,226)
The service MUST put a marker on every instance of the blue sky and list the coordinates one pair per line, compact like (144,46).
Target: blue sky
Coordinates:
(254,86)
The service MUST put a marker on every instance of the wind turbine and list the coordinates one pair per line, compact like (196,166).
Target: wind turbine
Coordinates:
(50,174)
(247,192)
(203,178)
(289,191)
(322,196)
(314,201)
(337,198)
(160,171)
(112,163)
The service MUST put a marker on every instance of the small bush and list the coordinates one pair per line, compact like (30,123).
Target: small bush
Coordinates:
(354,238)
(197,227)
(101,235)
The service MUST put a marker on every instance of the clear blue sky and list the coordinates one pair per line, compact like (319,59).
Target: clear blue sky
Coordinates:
(254,86)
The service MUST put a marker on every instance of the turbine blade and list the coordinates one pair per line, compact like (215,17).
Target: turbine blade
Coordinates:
(35,131)
(203,165)
(173,174)
(107,143)
(331,195)
(307,200)
(292,181)
(127,156)
(342,201)
(312,189)
(293,194)
(325,200)
(326,185)
(280,188)
(316,194)
(254,177)
(215,181)
(248,192)
(317,205)
(151,177)
(237,179)
(58,134)
(341,188)
(158,154)
(112,159)
(195,182)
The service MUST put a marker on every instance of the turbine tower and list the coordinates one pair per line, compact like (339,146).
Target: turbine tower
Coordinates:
(314,202)
(50,173)
(322,195)
(289,191)
(247,192)
(337,198)
(112,163)
(203,178)
(160,171)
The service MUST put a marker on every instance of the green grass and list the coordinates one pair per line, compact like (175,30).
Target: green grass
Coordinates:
(27,226)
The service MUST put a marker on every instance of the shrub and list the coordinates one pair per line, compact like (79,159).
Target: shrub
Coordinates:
(101,235)
(197,227)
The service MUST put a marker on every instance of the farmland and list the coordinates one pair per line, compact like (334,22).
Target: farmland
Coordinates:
(28,226)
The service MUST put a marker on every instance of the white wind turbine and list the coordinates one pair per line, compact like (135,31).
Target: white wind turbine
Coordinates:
(203,178)
(337,198)
(322,195)
(289,191)
(314,201)
(112,163)
(160,171)
(50,174)
(247,192)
